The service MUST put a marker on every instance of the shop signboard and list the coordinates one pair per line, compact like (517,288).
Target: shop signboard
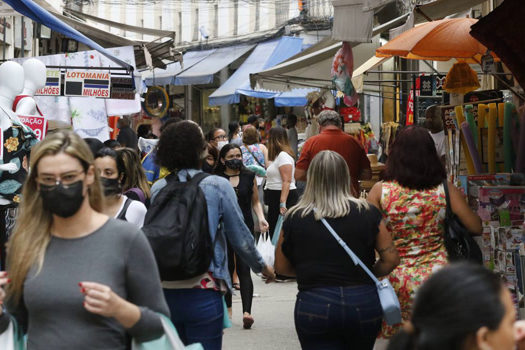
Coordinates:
(37,123)
(87,84)
(426,85)
(53,84)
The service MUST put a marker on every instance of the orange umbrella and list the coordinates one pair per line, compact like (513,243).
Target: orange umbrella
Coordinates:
(437,41)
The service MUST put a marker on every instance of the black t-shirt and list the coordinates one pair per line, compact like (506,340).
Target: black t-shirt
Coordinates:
(319,260)
(244,192)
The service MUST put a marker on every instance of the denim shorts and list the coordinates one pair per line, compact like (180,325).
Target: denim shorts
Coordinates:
(338,317)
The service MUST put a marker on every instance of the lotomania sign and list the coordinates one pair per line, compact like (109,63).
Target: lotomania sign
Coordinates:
(37,123)
(87,83)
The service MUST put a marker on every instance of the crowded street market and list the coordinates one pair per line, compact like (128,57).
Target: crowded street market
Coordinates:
(223,174)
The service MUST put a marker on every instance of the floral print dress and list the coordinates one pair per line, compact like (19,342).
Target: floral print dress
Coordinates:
(415,219)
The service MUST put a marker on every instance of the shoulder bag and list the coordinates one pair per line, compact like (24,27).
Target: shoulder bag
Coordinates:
(387,295)
(458,241)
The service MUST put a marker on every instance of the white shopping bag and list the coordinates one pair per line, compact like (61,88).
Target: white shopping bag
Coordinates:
(266,249)
(7,338)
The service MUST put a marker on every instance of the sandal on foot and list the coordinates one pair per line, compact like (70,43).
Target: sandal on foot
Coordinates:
(247,321)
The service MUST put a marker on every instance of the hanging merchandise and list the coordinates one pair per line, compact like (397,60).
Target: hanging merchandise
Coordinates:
(461,79)
(342,70)
(410,105)
(350,114)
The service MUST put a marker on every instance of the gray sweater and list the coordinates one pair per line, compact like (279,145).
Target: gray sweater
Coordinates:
(118,255)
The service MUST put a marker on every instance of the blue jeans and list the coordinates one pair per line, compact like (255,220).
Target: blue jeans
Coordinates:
(197,315)
(338,317)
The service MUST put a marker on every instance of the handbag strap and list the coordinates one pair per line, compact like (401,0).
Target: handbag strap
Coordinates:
(349,251)
(447,198)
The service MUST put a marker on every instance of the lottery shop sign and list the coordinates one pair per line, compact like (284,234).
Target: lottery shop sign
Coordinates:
(37,123)
(53,84)
(87,84)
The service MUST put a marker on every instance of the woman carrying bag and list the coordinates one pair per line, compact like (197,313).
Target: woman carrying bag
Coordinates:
(243,182)
(280,191)
(337,306)
(78,279)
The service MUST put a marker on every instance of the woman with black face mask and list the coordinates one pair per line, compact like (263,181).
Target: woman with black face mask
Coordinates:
(243,182)
(112,171)
(78,279)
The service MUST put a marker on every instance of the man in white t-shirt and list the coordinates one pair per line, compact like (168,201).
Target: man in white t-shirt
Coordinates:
(434,124)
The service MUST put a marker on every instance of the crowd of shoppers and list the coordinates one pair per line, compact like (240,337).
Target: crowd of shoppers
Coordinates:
(83,275)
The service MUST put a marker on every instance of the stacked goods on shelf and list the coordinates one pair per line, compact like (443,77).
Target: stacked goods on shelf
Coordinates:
(490,139)
(501,207)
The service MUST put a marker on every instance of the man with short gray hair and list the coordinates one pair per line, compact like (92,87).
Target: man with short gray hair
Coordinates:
(332,138)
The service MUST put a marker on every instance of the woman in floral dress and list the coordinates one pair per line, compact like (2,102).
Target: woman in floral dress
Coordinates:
(413,203)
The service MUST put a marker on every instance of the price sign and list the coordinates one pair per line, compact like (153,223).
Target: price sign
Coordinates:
(52,87)
(37,123)
(93,84)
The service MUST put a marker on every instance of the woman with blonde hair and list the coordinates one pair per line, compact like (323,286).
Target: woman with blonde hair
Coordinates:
(77,278)
(280,191)
(134,184)
(337,306)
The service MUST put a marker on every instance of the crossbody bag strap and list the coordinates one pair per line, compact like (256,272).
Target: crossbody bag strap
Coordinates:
(447,197)
(349,251)
(254,157)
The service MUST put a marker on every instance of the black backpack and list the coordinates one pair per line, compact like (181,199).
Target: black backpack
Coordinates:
(176,226)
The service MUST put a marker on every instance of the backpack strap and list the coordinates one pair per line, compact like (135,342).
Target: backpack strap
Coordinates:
(138,192)
(199,177)
(122,214)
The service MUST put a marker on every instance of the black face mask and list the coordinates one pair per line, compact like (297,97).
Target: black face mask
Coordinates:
(207,168)
(111,186)
(234,164)
(61,201)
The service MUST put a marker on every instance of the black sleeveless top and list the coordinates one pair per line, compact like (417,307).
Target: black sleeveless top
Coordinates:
(244,192)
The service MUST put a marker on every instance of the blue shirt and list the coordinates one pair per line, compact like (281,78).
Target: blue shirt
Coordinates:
(222,209)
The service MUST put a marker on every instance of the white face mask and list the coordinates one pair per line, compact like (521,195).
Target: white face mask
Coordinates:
(221,144)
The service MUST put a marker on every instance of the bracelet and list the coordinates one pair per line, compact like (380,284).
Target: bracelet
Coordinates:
(282,205)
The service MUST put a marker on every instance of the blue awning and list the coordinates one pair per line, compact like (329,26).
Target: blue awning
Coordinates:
(31,10)
(203,71)
(293,98)
(264,56)
(161,77)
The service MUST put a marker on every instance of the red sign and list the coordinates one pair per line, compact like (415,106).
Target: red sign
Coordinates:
(37,123)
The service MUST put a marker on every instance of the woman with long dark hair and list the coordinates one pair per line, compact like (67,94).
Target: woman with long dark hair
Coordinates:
(280,191)
(234,133)
(337,305)
(112,171)
(462,307)
(243,182)
(413,201)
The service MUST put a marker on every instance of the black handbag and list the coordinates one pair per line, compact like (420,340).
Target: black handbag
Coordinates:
(458,241)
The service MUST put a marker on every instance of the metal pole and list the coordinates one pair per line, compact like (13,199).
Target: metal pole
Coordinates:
(22,37)
(3,46)
(413,101)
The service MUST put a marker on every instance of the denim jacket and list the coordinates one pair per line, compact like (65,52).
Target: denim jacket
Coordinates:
(222,208)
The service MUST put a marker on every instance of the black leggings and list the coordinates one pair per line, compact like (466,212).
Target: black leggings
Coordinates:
(245,281)
(272,198)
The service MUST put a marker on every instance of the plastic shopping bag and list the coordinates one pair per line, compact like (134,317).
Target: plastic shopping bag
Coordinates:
(266,249)
(12,338)
(169,341)
(277,231)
